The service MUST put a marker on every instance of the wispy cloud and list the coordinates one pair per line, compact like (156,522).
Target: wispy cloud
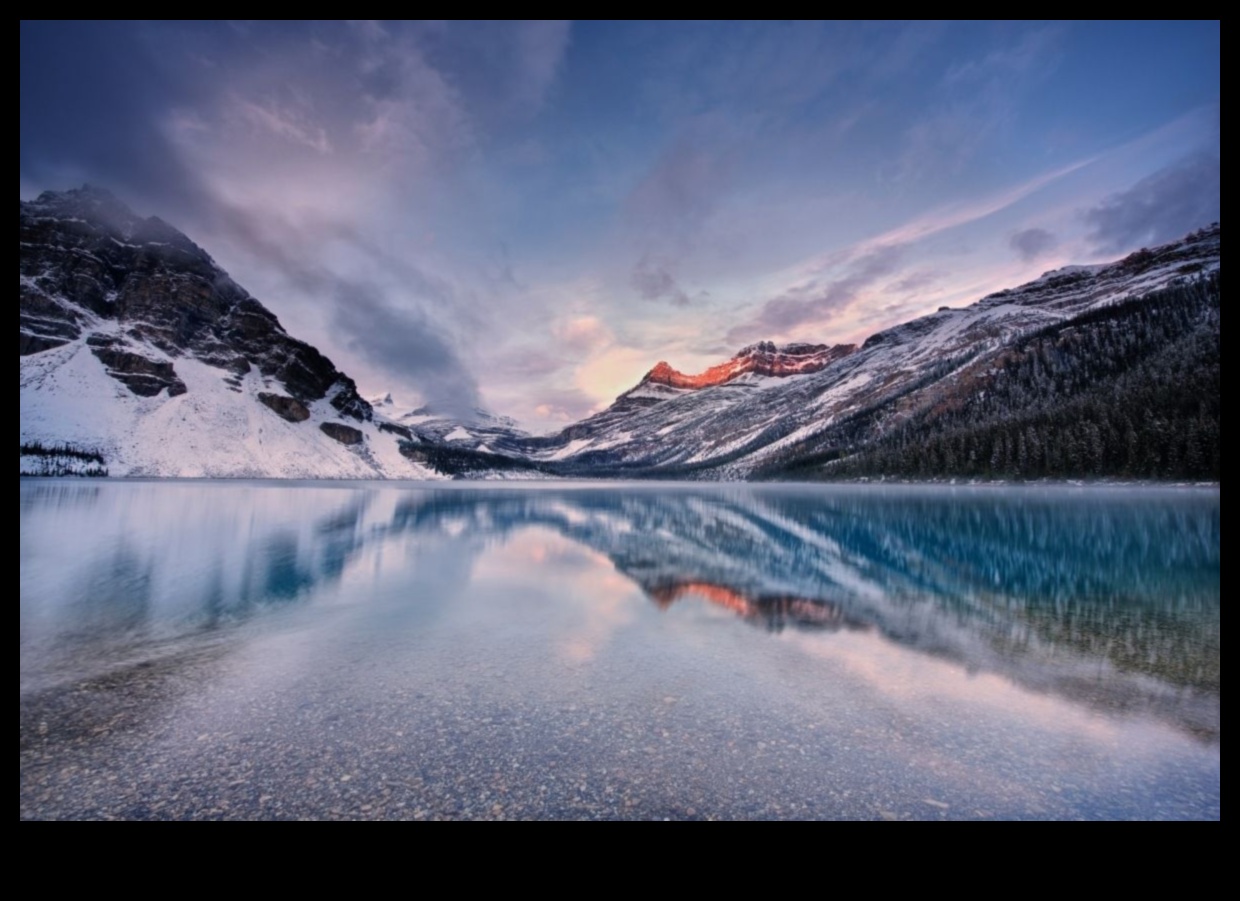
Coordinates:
(975,102)
(666,212)
(284,123)
(816,300)
(942,219)
(820,290)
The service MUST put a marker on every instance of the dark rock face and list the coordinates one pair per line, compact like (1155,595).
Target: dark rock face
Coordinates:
(141,375)
(44,323)
(345,434)
(84,254)
(395,429)
(286,407)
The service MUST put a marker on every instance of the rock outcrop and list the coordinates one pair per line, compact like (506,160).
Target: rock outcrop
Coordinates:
(289,408)
(85,256)
(345,434)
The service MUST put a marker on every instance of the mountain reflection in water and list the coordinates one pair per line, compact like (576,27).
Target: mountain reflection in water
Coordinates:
(1109,598)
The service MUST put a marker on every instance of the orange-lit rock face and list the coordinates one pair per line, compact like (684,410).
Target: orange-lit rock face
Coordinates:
(764,359)
(721,595)
(818,614)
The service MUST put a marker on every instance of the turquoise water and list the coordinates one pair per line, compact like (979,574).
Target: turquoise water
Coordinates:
(259,649)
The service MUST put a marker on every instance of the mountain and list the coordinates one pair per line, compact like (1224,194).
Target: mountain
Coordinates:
(763,359)
(140,356)
(477,432)
(1104,370)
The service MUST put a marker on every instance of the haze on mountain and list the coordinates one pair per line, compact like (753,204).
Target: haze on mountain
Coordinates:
(525,218)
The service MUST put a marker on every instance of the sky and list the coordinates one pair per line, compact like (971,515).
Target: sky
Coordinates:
(527,217)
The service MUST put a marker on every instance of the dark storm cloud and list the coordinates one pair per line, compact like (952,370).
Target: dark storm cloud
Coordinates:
(817,301)
(91,100)
(1031,243)
(400,340)
(1159,208)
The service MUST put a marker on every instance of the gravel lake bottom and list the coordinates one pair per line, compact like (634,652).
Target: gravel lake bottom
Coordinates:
(260,650)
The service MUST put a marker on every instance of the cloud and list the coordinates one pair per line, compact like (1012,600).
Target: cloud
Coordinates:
(1160,207)
(581,334)
(1032,243)
(656,282)
(682,187)
(285,123)
(528,364)
(401,341)
(974,104)
(944,218)
(816,301)
(671,205)
(915,282)
(504,71)
(310,158)
(565,404)
(391,331)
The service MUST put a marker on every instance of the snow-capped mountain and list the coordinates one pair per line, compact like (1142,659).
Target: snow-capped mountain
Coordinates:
(771,408)
(136,348)
(483,431)
(140,356)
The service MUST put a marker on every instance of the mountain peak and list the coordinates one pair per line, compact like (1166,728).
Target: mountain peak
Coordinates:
(764,358)
(98,209)
(90,203)
(142,317)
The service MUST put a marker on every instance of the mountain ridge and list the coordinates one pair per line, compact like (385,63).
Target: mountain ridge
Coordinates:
(764,358)
(746,425)
(141,353)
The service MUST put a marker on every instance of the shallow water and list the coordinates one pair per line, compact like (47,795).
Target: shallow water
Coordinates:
(259,649)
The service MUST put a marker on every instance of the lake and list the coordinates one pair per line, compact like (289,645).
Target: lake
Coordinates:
(351,650)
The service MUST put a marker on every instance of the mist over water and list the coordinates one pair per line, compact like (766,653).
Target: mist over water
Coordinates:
(376,650)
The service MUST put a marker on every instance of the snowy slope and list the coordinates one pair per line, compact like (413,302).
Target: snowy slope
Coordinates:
(135,345)
(730,427)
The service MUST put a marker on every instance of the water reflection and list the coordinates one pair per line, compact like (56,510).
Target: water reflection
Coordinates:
(1109,599)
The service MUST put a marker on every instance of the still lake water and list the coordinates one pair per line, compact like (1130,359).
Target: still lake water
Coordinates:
(397,650)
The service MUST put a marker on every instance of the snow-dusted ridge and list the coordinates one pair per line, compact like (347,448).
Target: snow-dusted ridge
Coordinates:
(720,425)
(134,344)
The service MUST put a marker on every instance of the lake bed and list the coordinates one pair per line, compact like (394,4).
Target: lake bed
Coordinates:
(646,651)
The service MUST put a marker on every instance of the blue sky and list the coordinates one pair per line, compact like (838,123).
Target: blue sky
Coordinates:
(531,215)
